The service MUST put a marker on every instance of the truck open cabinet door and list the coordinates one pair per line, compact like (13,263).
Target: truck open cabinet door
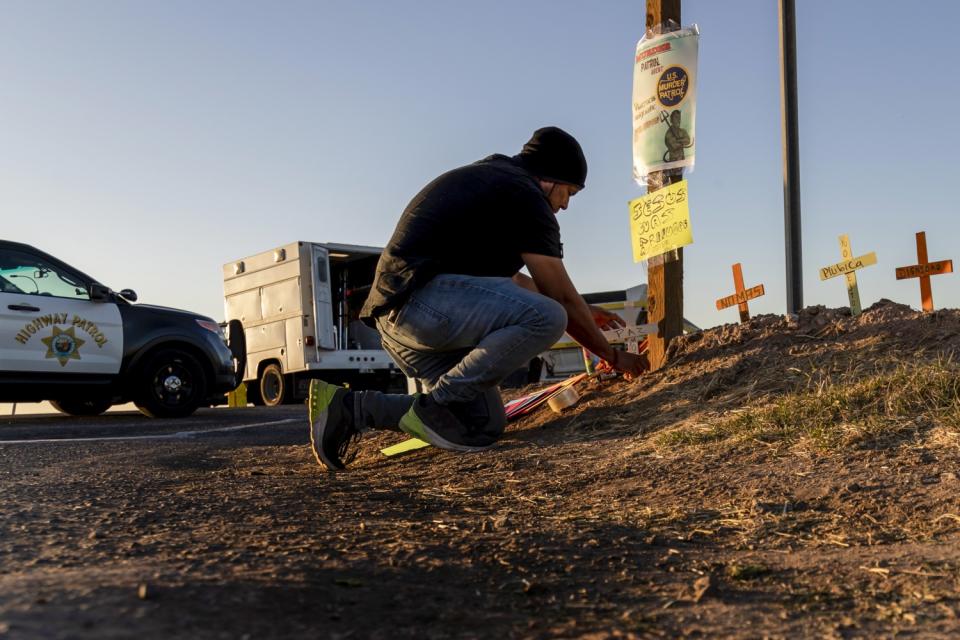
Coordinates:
(320,270)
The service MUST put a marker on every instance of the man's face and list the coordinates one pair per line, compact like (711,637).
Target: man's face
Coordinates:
(558,194)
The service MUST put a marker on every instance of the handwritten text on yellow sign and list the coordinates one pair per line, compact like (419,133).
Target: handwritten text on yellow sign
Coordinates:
(848,266)
(660,221)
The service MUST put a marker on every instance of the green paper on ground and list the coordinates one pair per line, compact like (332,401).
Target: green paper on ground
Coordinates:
(407,445)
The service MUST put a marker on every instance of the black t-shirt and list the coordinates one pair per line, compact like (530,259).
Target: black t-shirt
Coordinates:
(475,220)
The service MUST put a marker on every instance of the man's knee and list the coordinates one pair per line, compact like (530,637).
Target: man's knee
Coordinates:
(551,319)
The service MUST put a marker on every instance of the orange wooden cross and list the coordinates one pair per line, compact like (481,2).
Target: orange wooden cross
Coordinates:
(741,296)
(924,270)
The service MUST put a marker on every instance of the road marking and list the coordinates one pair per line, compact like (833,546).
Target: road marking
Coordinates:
(165,436)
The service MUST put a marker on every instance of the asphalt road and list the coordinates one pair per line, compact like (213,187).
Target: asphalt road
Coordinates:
(275,424)
(124,526)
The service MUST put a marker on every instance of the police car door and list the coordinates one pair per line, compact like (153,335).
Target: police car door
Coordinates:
(48,324)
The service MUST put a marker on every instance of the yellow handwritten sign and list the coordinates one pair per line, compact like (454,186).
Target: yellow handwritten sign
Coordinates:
(848,266)
(660,221)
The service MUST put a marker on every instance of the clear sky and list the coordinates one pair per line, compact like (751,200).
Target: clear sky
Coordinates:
(149,143)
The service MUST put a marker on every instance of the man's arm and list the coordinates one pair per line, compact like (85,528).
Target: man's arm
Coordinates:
(601,317)
(551,279)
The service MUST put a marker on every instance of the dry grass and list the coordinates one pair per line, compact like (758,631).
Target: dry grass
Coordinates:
(831,410)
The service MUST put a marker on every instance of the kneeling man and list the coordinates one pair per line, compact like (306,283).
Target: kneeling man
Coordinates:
(453,309)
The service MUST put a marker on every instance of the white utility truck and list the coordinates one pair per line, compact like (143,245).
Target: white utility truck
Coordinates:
(299,306)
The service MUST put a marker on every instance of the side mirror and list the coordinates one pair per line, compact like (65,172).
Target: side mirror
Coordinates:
(98,292)
(129,295)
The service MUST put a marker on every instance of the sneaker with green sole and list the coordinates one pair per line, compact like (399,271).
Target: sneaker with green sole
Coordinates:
(436,424)
(332,432)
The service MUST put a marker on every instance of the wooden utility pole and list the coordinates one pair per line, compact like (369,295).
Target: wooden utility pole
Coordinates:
(664,274)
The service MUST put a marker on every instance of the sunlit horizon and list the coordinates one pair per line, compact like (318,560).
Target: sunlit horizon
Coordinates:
(149,144)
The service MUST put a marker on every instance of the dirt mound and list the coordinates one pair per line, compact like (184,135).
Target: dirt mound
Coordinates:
(901,325)
(737,365)
(766,349)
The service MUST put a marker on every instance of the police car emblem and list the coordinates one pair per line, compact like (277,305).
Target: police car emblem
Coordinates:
(63,345)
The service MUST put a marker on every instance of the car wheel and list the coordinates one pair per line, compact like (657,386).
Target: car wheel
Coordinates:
(273,386)
(172,385)
(92,407)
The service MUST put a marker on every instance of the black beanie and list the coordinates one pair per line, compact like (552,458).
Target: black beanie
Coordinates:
(555,155)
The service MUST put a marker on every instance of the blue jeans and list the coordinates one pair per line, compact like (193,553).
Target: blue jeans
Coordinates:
(461,336)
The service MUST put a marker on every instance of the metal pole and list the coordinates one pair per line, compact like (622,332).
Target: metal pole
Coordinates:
(791,155)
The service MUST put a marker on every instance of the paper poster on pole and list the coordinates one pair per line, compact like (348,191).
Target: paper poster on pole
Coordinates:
(660,221)
(665,101)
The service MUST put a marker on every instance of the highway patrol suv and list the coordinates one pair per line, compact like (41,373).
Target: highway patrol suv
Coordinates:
(66,338)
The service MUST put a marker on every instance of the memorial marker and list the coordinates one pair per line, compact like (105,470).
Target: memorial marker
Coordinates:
(632,336)
(924,270)
(741,296)
(848,267)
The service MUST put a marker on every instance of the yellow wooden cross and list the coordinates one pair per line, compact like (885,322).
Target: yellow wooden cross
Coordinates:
(741,296)
(848,267)
(924,270)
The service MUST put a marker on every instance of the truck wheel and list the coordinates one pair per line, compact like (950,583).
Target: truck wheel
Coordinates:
(273,386)
(82,407)
(172,385)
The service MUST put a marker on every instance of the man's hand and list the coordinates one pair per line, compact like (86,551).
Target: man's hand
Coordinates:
(583,322)
(628,363)
(606,320)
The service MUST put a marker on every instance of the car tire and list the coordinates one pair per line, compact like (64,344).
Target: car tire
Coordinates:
(273,386)
(172,384)
(81,408)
